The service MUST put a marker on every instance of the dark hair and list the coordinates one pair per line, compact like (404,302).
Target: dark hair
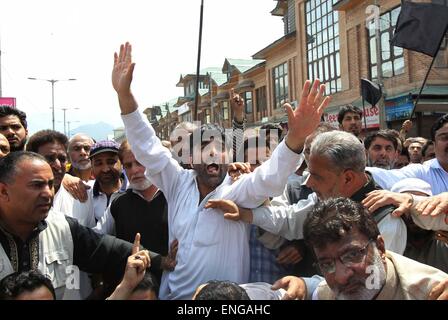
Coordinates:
(43,137)
(346,109)
(426,146)
(222,290)
(251,142)
(10,111)
(148,283)
(8,164)
(386,135)
(202,130)
(19,282)
(437,125)
(124,146)
(332,219)
(272,126)
(405,152)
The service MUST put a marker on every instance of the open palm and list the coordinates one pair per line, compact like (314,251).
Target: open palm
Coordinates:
(123,69)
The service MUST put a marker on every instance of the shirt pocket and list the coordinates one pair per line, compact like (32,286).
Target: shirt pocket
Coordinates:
(208,229)
(56,267)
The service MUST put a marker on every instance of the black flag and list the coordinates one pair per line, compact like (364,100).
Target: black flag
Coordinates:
(421,27)
(370,91)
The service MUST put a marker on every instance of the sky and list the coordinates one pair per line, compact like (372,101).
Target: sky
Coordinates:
(64,39)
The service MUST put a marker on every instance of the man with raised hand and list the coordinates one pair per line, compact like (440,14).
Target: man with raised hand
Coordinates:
(210,247)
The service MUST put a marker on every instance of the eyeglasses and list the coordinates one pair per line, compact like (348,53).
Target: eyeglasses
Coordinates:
(348,259)
(52,158)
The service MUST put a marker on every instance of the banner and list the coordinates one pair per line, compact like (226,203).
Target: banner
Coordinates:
(10,102)
(372,114)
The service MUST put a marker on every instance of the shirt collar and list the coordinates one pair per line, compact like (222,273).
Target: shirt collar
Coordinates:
(370,185)
(41,226)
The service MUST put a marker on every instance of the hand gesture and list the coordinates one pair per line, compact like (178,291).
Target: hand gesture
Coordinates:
(230,209)
(304,120)
(137,264)
(123,70)
(236,169)
(295,287)
(237,105)
(76,187)
(406,126)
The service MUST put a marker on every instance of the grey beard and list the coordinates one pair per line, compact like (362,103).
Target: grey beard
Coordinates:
(140,186)
(370,290)
(78,166)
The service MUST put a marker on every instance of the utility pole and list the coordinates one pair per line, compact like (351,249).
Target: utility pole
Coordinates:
(379,67)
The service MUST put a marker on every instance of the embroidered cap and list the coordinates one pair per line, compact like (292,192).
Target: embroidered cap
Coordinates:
(412,184)
(104,146)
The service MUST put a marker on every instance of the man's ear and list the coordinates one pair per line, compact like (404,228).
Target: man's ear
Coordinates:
(349,176)
(380,245)
(4,192)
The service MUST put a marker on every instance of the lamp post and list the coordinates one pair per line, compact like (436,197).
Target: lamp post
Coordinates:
(65,109)
(52,81)
(68,123)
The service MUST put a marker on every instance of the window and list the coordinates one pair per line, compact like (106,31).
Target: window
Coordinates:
(392,60)
(280,77)
(247,96)
(260,93)
(323,43)
(225,110)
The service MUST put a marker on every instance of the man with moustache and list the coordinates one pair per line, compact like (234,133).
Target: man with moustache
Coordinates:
(434,171)
(209,246)
(4,146)
(142,208)
(14,127)
(381,148)
(350,253)
(78,152)
(349,118)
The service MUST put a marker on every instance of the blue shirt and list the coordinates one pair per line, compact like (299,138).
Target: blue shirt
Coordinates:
(431,171)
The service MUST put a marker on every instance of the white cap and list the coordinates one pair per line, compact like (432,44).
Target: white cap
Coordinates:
(412,184)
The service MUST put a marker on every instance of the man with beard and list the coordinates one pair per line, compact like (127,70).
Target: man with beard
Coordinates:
(4,146)
(141,209)
(31,238)
(349,118)
(14,127)
(351,255)
(78,152)
(210,247)
(434,171)
(381,148)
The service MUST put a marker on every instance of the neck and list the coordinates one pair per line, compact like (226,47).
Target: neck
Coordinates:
(109,189)
(21,230)
(204,189)
(84,175)
(443,165)
(148,193)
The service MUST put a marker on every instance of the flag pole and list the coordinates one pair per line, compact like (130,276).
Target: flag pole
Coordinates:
(198,66)
(365,115)
(426,77)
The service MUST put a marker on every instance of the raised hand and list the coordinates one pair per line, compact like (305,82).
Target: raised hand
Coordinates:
(306,117)
(295,287)
(237,105)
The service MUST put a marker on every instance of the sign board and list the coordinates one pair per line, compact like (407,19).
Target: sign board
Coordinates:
(398,108)
(10,102)
(372,114)
(183,109)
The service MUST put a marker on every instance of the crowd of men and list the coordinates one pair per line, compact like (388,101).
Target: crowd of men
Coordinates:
(311,212)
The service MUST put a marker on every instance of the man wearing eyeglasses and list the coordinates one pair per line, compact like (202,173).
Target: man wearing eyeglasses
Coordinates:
(350,253)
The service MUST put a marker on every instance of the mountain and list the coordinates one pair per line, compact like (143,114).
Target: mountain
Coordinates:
(98,131)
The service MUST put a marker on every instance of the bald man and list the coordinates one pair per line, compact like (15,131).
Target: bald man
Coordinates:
(78,152)
(4,146)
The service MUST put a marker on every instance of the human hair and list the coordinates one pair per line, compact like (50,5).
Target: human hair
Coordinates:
(253,141)
(386,135)
(342,149)
(222,290)
(148,283)
(440,122)
(204,132)
(43,137)
(78,135)
(8,164)
(272,126)
(19,282)
(124,146)
(426,146)
(348,108)
(10,111)
(333,219)
(405,152)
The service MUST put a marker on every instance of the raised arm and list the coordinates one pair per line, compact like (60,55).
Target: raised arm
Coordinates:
(160,166)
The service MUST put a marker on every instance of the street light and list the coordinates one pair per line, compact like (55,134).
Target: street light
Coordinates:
(68,123)
(65,109)
(52,81)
